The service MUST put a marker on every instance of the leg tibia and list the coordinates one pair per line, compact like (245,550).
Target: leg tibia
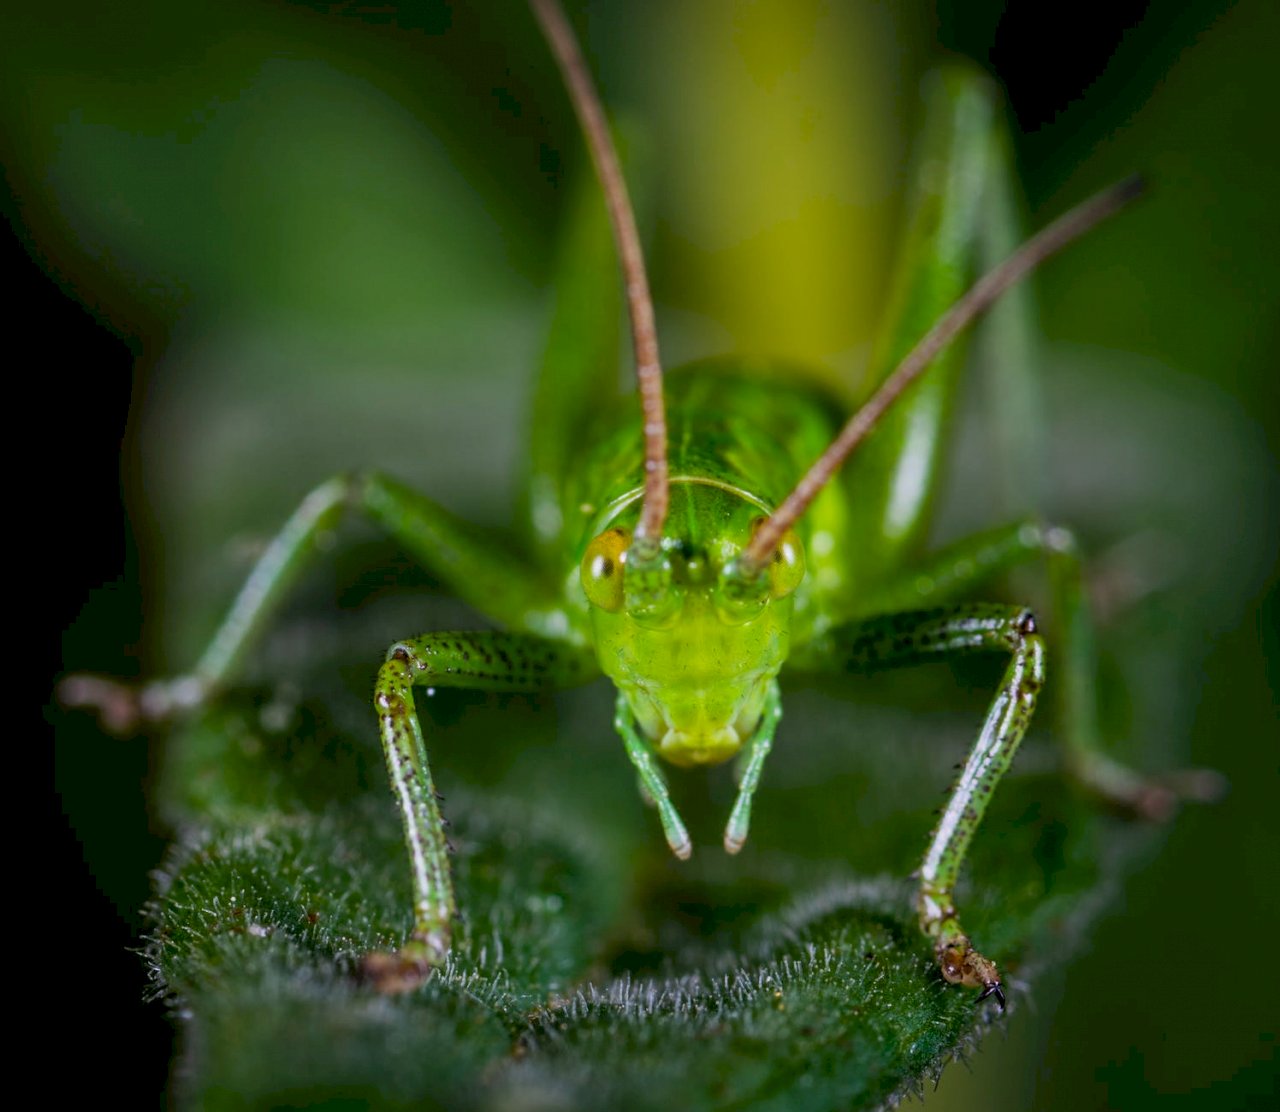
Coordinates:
(960,568)
(122,707)
(988,761)
(425,841)
(473,563)
(485,660)
(897,639)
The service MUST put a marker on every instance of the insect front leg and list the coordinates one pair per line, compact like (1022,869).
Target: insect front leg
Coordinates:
(474,563)
(895,640)
(488,661)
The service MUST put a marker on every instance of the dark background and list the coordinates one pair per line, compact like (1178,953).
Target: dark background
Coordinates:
(1173,1000)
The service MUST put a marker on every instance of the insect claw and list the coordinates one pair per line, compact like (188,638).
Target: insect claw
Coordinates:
(405,969)
(993,989)
(961,964)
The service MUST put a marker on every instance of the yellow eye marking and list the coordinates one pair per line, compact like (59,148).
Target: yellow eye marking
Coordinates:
(786,570)
(602,569)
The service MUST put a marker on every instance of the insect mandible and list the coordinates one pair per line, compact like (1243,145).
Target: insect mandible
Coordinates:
(698,548)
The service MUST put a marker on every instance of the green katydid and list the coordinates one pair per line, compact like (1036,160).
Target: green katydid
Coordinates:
(680,565)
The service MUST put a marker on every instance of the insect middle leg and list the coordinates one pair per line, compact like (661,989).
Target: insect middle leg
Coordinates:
(474,563)
(958,570)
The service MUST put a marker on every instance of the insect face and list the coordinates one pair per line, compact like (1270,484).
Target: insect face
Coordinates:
(690,641)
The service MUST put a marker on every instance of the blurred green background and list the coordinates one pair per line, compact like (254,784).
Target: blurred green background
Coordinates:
(317,237)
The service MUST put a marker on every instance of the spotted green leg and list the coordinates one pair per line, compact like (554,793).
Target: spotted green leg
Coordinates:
(484,661)
(899,636)
(479,569)
(896,640)
(546,646)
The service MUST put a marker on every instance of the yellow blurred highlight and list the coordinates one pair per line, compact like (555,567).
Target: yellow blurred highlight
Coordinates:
(780,162)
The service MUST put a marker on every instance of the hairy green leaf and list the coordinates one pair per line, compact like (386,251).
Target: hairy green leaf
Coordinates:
(588,970)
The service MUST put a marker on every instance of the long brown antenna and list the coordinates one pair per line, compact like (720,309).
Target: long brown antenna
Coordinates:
(980,297)
(644,334)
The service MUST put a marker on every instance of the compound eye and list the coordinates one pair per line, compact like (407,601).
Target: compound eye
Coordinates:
(601,569)
(786,570)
